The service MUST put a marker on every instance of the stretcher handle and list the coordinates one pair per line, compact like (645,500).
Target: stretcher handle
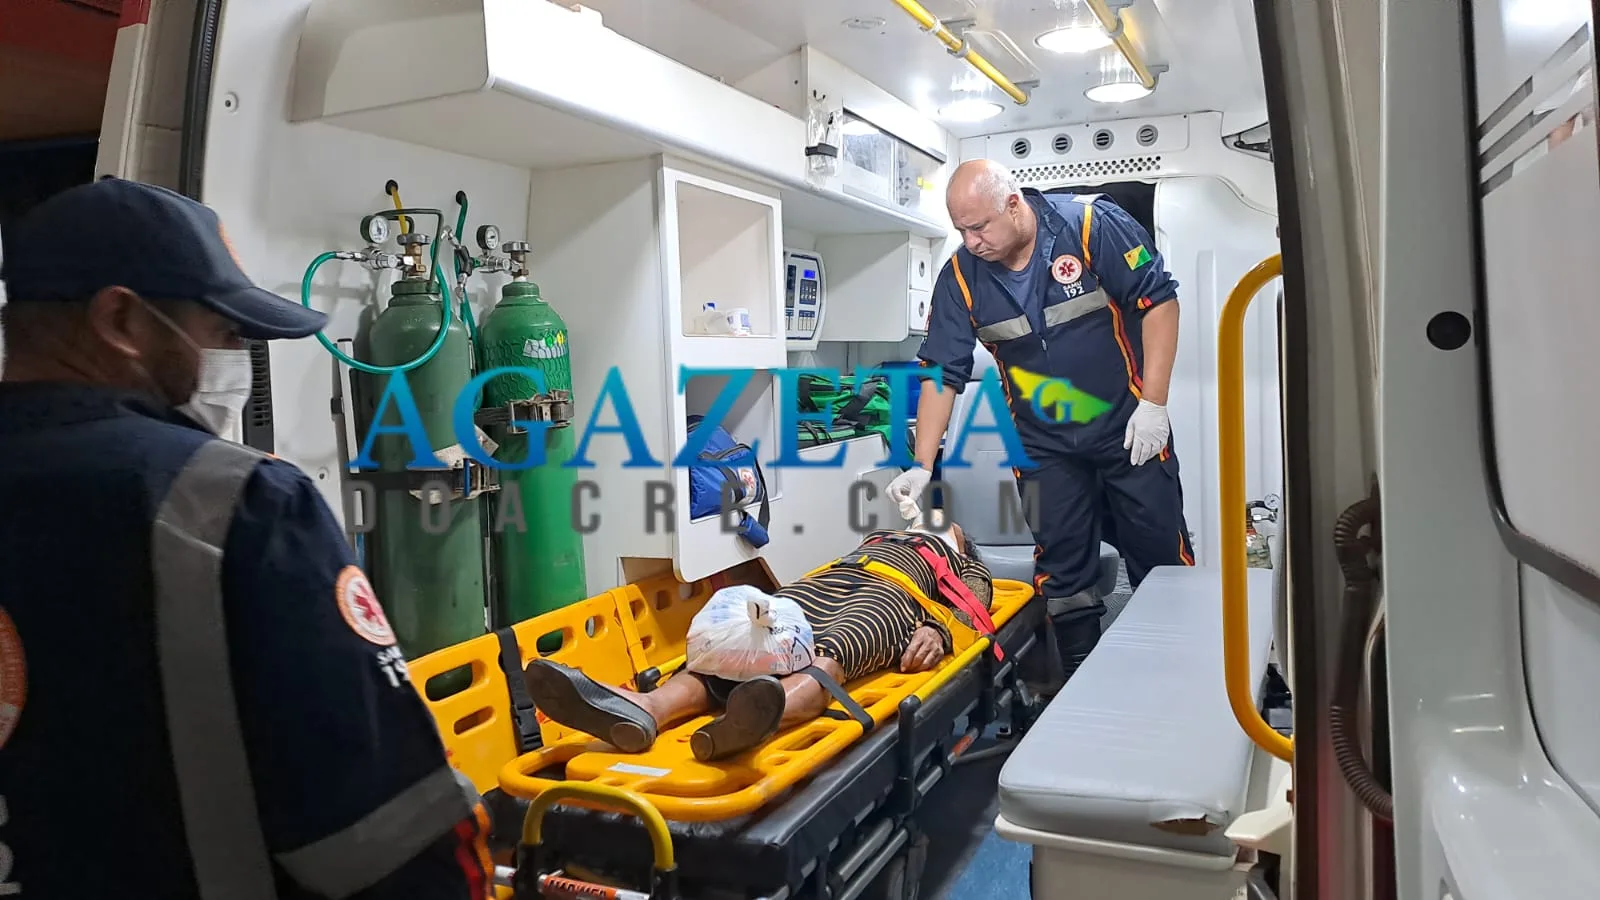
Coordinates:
(1230,447)
(612,798)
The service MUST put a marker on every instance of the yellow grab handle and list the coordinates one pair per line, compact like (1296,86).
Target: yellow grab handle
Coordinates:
(605,795)
(1230,441)
(930,23)
(1112,25)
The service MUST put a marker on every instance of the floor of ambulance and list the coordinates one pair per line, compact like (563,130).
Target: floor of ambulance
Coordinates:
(966,859)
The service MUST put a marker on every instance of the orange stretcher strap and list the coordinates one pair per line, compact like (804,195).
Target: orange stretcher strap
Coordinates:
(961,596)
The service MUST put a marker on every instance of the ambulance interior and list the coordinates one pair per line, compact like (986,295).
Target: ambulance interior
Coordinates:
(1369,684)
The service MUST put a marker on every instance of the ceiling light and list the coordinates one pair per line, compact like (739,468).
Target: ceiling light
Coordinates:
(1074,39)
(969,109)
(1117,82)
(1117,92)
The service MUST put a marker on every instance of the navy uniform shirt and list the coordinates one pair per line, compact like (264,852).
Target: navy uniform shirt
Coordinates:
(333,728)
(1095,274)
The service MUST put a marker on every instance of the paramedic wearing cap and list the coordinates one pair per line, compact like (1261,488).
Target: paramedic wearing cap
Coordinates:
(1064,287)
(205,699)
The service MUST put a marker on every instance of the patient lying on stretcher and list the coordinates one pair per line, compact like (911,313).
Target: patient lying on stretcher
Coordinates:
(901,599)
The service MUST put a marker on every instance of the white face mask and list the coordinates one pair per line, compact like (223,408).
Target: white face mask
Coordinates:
(218,403)
(224,386)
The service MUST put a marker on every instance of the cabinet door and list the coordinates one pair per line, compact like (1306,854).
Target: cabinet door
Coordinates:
(921,275)
(918,305)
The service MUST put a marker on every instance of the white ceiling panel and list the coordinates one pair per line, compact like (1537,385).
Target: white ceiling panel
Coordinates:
(1208,46)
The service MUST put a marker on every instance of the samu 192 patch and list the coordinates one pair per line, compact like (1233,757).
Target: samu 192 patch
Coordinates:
(1137,257)
(360,608)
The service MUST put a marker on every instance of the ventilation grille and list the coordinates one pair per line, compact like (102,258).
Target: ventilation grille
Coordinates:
(1061,144)
(1020,148)
(258,424)
(1103,139)
(1147,135)
(1056,173)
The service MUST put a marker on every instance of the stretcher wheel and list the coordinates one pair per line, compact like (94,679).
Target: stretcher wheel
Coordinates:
(902,877)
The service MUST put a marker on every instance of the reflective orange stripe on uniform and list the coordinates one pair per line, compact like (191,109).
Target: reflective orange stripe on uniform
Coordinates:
(1088,215)
(961,281)
(1135,383)
(966,295)
(472,853)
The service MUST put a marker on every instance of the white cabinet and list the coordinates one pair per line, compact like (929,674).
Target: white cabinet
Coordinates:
(880,286)
(628,253)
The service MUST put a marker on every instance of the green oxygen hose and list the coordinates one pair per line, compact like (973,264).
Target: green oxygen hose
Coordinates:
(444,321)
(466,300)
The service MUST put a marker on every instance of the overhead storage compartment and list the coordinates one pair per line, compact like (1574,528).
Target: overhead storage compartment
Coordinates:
(538,85)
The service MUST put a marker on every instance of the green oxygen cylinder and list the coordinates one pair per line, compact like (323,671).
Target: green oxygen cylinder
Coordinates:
(429,557)
(538,552)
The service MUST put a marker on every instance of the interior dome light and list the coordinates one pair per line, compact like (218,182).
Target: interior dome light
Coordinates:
(969,109)
(1074,39)
(1117,82)
(1117,92)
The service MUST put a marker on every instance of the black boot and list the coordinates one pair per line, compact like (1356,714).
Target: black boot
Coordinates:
(1076,637)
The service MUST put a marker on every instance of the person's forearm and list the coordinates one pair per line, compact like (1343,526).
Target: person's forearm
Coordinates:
(1160,338)
(933,417)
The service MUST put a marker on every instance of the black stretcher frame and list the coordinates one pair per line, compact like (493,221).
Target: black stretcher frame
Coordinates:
(834,830)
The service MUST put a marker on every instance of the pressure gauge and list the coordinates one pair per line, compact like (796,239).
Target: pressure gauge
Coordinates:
(375,229)
(488,238)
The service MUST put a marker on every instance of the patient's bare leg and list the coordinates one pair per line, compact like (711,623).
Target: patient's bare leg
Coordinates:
(803,698)
(627,719)
(679,698)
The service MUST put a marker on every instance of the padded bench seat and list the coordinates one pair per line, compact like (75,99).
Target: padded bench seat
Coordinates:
(1140,749)
(1015,561)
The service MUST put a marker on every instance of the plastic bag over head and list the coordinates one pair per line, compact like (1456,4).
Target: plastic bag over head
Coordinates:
(744,633)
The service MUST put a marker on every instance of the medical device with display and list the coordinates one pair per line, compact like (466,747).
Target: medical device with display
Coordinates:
(803,298)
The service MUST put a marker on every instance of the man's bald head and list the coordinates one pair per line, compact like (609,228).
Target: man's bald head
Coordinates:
(982,181)
(986,205)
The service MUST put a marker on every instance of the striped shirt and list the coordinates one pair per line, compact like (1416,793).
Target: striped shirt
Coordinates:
(863,621)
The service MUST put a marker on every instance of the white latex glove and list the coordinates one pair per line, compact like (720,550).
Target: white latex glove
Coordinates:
(1148,430)
(906,491)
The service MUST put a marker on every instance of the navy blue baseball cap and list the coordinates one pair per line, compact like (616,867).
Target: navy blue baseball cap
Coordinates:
(157,243)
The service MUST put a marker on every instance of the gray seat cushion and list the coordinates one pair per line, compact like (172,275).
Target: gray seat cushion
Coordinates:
(1015,561)
(1141,746)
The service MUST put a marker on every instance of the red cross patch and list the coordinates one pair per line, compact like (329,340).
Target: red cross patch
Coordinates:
(1066,269)
(359,606)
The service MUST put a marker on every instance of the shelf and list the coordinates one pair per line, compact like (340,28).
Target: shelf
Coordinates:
(720,351)
(725,256)
(540,86)
(830,212)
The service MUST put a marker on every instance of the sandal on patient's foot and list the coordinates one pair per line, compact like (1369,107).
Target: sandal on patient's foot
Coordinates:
(755,708)
(573,699)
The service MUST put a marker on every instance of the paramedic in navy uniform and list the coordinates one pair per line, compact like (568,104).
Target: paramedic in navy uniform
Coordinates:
(1068,287)
(200,697)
